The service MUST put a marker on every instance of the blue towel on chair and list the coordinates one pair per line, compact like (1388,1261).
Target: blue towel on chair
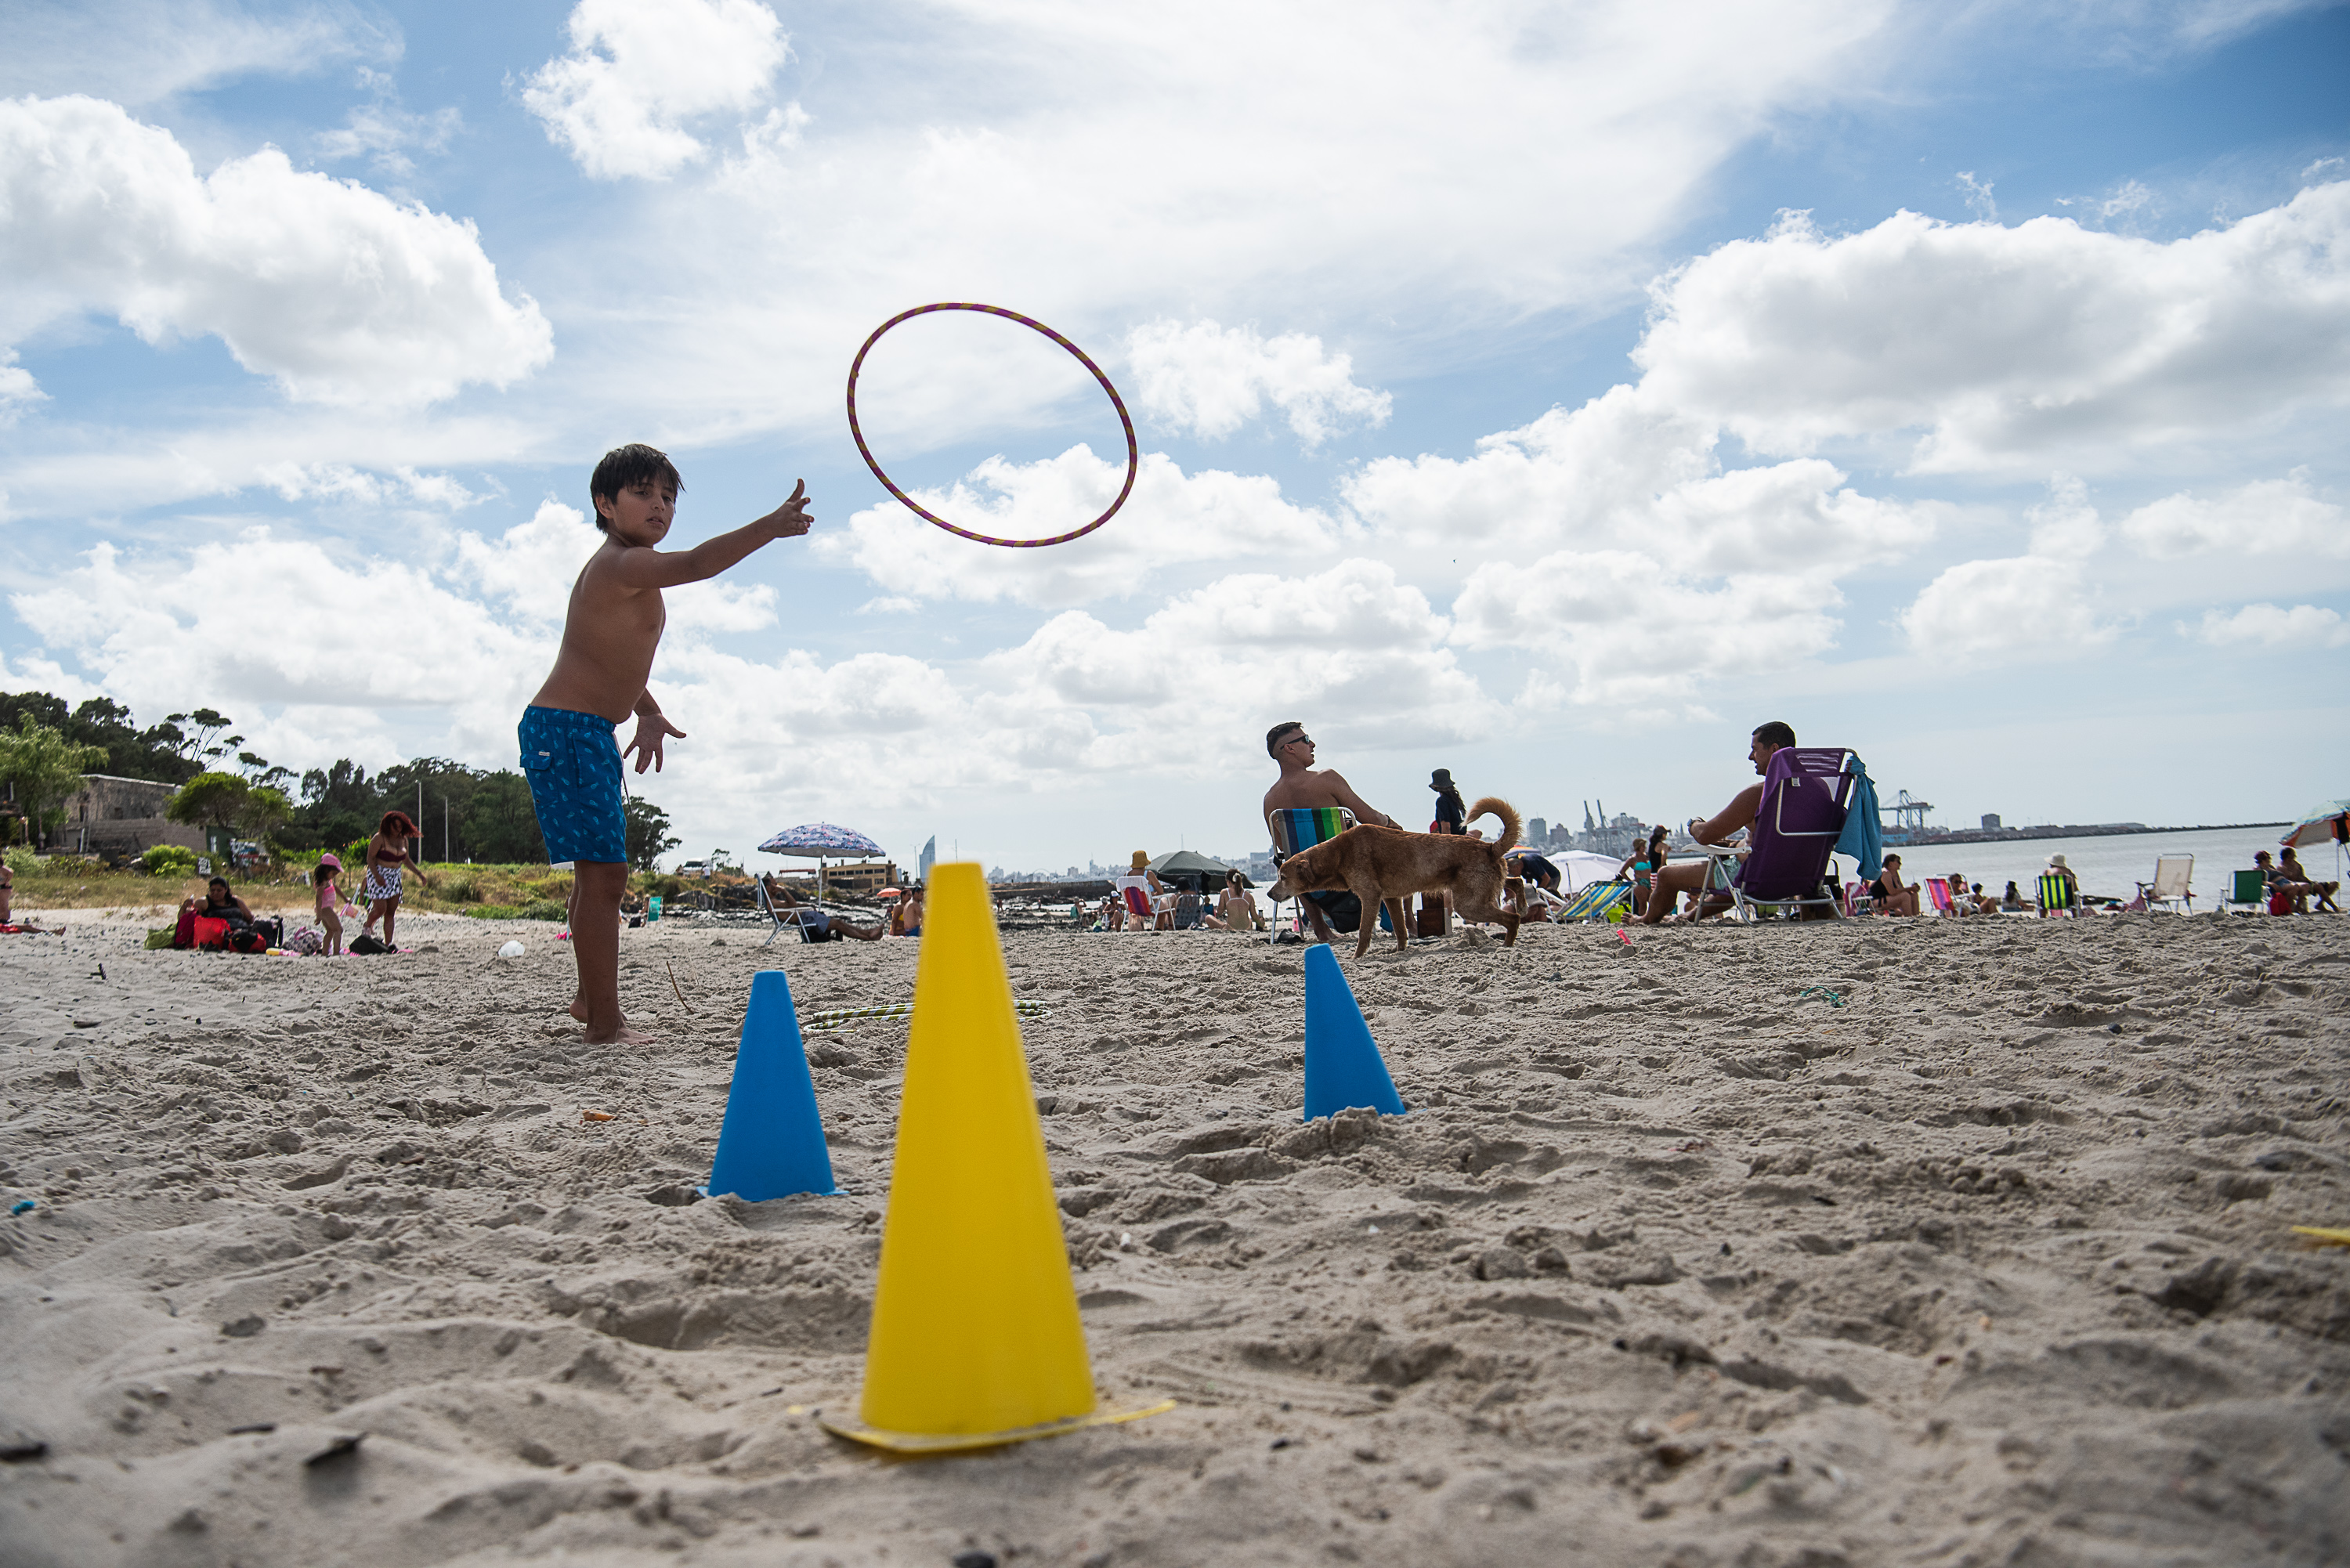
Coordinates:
(1863,837)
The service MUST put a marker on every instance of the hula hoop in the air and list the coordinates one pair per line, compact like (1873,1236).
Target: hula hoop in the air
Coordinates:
(1133,452)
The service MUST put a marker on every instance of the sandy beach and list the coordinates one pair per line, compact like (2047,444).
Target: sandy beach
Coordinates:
(1985,1259)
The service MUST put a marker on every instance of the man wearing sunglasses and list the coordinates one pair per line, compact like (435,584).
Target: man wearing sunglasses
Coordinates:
(1300,785)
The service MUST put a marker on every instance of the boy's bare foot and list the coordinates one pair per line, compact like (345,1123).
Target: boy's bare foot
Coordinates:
(626,1037)
(578,1008)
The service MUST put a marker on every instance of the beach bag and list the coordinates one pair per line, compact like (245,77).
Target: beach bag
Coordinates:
(209,933)
(184,934)
(364,945)
(307,940)
(246,940)
(2280,902)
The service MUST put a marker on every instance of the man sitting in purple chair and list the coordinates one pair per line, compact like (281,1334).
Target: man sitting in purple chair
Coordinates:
(1794,819)
(1690,876)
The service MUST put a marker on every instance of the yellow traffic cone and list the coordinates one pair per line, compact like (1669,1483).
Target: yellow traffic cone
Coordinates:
(975,1338)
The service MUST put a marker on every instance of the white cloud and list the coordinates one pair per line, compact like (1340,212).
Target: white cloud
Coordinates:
(342,294)
(1983,612)
(342,482)
(1627,471)
(1211,379)
(2267,517)
(141,52)
(18,390)
(639,71)
(1172,519)
(1631,629)
(1446,180)
(260,620)
(1354,641)
(2007,345)
(2303,628)
(1980,200)
(532,565)
(2065,526)
(384,132)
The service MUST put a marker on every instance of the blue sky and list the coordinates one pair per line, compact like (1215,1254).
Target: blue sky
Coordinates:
(1547,392)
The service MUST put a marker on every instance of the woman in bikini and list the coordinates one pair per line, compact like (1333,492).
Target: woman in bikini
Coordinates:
(1235,910)
(1641,867)
(387,856)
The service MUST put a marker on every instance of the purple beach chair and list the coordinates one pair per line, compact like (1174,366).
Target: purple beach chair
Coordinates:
(1807,791)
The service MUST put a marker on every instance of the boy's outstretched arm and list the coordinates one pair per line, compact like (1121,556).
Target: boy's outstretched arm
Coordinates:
(646,568)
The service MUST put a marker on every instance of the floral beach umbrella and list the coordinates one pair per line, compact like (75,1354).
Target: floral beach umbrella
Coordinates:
(822,841)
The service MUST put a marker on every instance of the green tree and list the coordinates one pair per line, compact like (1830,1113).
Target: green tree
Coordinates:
(337,805)
(449,789)
(196,736)
(210,799)
(131,753)
(263,808)
(649,835)
(501,824)
(42,767)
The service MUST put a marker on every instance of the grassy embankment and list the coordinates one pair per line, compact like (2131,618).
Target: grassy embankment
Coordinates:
(487,892)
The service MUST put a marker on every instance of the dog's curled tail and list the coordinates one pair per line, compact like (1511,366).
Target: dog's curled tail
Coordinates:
(1494,805)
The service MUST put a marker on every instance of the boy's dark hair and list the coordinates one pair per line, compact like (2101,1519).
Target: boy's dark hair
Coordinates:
(1776,733)
(1273,736)
(626,465)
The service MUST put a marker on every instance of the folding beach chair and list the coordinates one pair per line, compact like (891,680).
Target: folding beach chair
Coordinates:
(2246,887)
(1938,891)
(2056,896)
(797,920)
(1855,899)
(1300,827)
(2169,884)
(1594,902)
(1806,794)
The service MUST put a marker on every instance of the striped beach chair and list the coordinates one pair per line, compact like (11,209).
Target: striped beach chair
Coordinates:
(1300,827)
(1594,902)
(2055,894)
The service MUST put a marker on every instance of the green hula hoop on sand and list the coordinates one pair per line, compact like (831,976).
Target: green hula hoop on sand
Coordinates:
(1133,452)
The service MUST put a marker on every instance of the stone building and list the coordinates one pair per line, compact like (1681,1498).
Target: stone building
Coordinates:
(119,817)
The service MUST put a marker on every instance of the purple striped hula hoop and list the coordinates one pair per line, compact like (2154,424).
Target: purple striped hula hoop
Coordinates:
(1133,452)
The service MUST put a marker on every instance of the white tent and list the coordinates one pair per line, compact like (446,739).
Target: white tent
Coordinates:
(1579,868)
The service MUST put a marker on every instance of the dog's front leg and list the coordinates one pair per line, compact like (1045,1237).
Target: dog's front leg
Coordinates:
(1368,925)
(1396,911)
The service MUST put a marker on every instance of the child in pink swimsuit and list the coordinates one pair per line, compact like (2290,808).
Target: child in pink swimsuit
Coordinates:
(329,921)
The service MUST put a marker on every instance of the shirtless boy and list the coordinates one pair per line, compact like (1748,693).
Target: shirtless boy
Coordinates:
(1300,785)
(609,636)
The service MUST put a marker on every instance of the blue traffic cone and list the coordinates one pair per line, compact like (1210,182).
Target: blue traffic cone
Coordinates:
(772,1143)
(1343,1066)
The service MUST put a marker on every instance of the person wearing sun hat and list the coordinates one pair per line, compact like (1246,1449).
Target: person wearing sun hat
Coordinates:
(1451,814)
(2056,867)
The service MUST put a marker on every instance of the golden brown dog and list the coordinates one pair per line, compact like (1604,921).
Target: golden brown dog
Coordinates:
(1382,865)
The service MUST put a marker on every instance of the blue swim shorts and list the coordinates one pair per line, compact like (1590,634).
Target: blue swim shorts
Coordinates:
(574,767)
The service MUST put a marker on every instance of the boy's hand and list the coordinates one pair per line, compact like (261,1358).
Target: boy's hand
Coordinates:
(790,519)
(651,730)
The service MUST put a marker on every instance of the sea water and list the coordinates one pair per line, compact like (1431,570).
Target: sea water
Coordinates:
(2108,865)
